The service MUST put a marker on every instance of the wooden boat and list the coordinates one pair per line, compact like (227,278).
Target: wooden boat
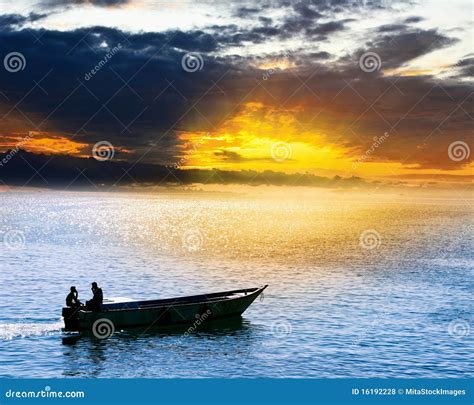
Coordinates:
(170,311)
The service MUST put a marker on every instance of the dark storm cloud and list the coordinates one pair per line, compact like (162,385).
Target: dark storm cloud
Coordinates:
(309,27)
(301,17)
(245,12)
(265,20)
(141,99)
(306,11)
(9,21)
(391,27)
(465,67)
(155,98)
(404,45)
(320,55)
(296,23)
(322,30)
(305,16)
(413,20)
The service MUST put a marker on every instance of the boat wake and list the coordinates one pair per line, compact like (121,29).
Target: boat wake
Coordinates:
(10,331)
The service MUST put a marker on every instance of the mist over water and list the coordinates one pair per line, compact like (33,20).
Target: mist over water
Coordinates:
(359,285)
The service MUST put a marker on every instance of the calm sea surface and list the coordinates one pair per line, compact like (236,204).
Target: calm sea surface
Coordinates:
(374,286)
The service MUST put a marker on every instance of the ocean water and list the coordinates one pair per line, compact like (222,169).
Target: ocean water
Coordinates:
(376,285)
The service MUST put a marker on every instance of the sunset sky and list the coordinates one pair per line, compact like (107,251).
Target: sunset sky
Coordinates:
(336,87)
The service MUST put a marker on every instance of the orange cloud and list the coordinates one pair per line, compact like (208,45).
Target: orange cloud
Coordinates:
(262,137)
(43,142)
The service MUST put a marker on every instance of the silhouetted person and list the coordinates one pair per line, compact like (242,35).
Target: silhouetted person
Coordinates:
(72,299)
(97,298)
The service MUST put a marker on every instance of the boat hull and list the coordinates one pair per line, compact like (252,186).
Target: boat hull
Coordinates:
(148,314)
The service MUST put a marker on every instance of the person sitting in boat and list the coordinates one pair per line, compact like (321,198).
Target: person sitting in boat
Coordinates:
(97,298)
(72,299)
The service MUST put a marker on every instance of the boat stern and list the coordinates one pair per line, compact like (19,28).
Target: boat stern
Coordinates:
(71,319)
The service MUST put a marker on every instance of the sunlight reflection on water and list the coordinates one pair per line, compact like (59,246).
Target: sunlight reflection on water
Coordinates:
(333,308)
